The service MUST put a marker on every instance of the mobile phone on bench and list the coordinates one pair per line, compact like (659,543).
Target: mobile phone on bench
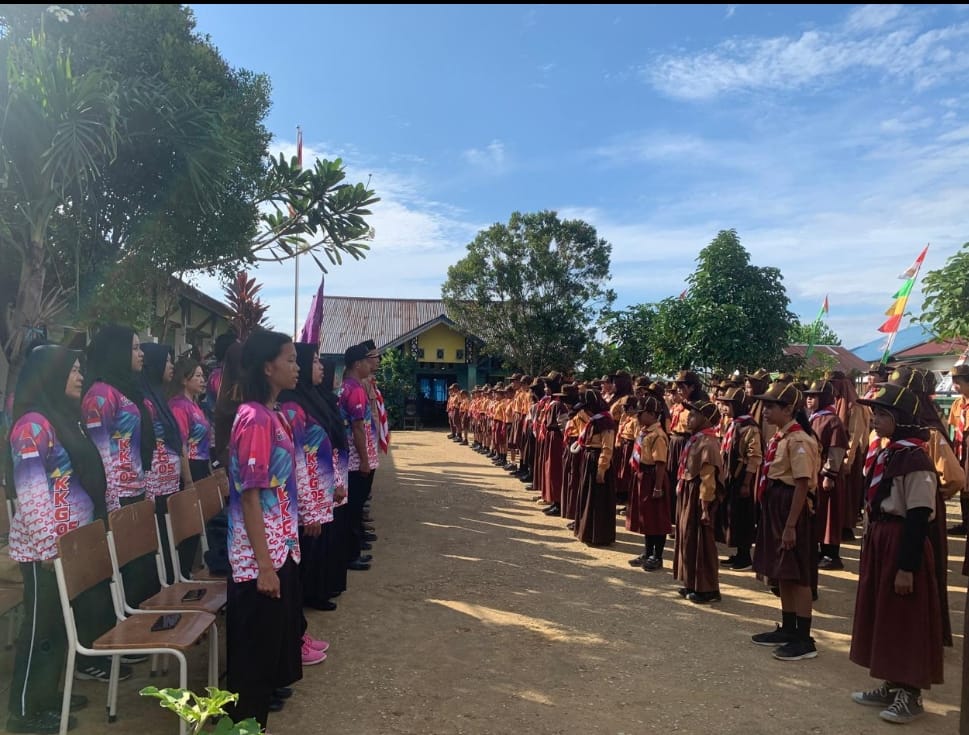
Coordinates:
(194,595)
(166,622)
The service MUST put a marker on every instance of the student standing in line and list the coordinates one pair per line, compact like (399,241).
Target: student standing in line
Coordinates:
(57,475)
(648,512)
(263,611)
(186,387)
(786,551)
(897,629)
(742,454)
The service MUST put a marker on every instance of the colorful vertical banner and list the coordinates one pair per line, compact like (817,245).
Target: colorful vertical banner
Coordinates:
(897,309)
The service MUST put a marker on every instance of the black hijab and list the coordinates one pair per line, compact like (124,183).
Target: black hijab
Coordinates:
(109,360)
(305,393)
(152,384)
(40,388)
(334,424)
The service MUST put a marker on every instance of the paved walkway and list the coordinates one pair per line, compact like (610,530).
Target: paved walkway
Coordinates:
(482,616)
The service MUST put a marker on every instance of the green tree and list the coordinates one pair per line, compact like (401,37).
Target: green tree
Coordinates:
(735,315)
(629,331)
(945,309)
(805,334)
(248,310)
(167,172)
(532,289)
(397,378)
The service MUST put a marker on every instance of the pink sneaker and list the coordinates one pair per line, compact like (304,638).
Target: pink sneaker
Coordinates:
(311,656)
(315,643)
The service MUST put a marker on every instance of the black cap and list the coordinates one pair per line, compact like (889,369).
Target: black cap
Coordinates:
(355,354)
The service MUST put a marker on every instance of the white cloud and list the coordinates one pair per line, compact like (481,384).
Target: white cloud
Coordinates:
(872,17)
(870,40)
(731,9)
(491,158)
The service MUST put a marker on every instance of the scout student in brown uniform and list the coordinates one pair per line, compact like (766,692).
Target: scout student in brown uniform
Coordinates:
(695,562)
(742,454)
(833,441)
(648,511)
(786,551)
(595,522)
(688,388)
(877,373)
(452,399)
(856,419)
(897,633)
(756,384)
(959,422)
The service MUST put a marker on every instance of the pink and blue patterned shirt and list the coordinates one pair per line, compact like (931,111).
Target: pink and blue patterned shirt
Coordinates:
(113,423)
(50,499)
(355,406)
(164,477)
(262,458)
(194,426)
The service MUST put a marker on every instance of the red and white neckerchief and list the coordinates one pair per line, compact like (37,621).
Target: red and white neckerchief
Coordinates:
(769,455)
(681,470)
(589,429)
(637,450)
(726,444)
(878,471)
(874,446)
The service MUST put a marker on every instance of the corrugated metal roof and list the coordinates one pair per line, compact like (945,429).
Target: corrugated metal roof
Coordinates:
(934,348)
(349,320)
(847,360)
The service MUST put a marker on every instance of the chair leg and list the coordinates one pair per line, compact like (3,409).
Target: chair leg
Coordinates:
(68,685)
(153,672)
(113,688)
(214,655)
(183,684)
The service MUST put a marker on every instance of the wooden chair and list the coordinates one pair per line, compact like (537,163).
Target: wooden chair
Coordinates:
(223,478)
(183,520)
(132,533)
(209,491)
(83,561)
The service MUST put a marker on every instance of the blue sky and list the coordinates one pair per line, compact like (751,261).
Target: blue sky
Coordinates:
(834,139)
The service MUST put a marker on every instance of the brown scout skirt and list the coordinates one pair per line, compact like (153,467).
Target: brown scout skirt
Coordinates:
(771,562)
(645,514)
(595,522)
(897,638)
(695,560)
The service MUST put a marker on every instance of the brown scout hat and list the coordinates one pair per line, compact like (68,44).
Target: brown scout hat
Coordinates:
(823,389)
(877,368)
(762,375)
(782,393)
(732,395)
(895,398)
(784,378)
(835,375)
(515,376)
(960,371)
(708,410)
(688,377)
(916,379)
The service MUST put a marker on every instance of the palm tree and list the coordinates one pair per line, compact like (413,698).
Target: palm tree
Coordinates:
(57,132)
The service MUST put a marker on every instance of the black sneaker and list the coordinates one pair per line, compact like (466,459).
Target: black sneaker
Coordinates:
(728,562)
(134,658)
(637,561)
(39,722)
(883,696)
(742,565)
(776,637)
(906,707)
(704,598)
(101,672)
(652,564)
(796,650)
(830,563)
(959,530)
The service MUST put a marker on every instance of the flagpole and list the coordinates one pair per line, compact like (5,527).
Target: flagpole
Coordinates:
(299,163)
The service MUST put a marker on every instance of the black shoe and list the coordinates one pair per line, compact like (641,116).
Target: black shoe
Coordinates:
(684,592)
(959,530)
(829,563)
(652,564)
(796,650)
(741,564)
(283,693)
(728,562)
(40,722)
(366,547)
(527,479)
(529,487)
(703,598)
(513,468)
(276,704)
(847,534)
(552,510)
(325,605)
(368,529)
(621,511)
(101,672)
(358,565)
(570,525)
(371,537)
(637,561)
(365,558)
(776,637)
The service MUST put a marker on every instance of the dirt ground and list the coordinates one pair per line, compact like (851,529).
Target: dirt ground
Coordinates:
(483,616)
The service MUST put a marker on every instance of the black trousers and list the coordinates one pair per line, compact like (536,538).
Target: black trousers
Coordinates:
(335,536)
(359,486)
(263,642)
(41,647)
